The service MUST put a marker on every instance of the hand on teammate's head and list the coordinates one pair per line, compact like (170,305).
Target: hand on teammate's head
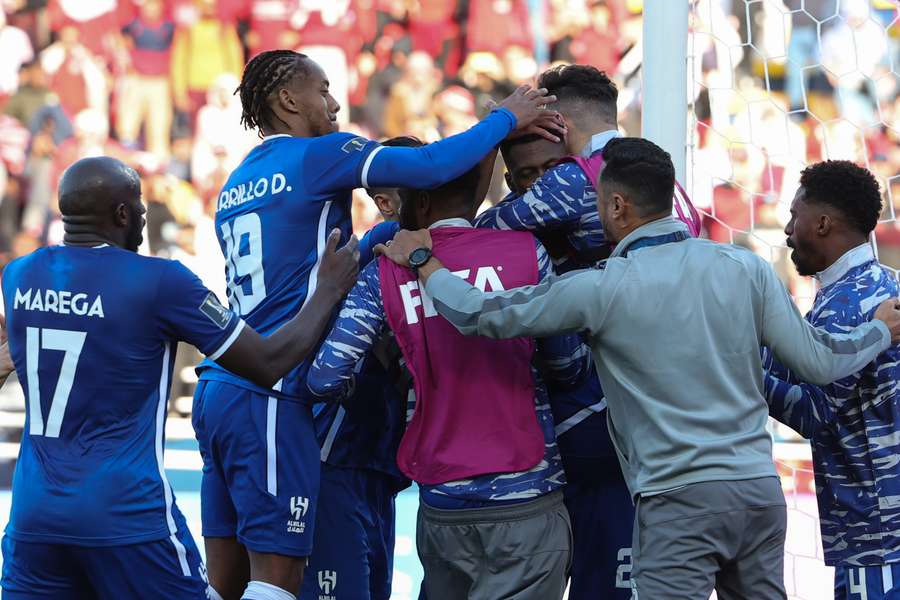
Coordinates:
(399,249)
(339,267)
(529,105)
(889,312)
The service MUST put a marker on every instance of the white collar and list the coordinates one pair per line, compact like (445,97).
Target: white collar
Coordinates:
(275,135)
(852,258)
(451,222)
(92,247)
(598,142)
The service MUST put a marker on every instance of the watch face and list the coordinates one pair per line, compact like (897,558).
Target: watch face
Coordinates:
(419,256)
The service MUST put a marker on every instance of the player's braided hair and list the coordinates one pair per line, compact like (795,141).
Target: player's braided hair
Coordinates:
(263,74)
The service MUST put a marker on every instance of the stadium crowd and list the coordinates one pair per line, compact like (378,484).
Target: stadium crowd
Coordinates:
(151,81)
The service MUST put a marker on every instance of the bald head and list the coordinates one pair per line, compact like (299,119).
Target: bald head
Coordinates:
(94,186)
(100,202)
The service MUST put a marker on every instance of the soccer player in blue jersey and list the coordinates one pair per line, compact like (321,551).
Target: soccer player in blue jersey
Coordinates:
(596,495)
(854,423)
(261,459)
(92,331)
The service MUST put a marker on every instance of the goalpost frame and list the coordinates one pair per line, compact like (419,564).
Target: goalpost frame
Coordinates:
(664,79)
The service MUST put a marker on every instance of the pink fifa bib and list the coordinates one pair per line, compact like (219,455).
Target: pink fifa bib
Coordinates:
(475,409)
(682,207)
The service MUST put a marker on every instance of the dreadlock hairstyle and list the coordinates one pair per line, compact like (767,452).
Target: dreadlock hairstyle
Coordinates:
(263,74)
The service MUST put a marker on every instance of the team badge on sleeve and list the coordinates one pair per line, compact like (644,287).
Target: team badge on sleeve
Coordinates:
(217,313)
(354,145)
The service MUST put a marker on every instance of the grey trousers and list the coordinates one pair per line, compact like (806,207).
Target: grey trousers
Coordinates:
(722,535)
(518,552)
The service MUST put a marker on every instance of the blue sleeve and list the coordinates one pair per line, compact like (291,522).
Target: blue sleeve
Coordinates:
(359,325)
(565,360)
(334,163)
(435,164)
(560,199)
(188,311)
(379,234)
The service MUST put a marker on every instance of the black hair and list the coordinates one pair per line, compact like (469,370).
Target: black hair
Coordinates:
(265,72)
(508,144)
(464,188)
(847,187)
(401,141)
(643,169)
(582,85)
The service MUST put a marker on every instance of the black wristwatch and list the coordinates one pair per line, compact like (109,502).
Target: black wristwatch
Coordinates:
(418,258)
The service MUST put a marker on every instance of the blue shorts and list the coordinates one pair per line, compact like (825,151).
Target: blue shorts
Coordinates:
(168,568)
(867,583)
(260,468)
(354,550)
(602,521)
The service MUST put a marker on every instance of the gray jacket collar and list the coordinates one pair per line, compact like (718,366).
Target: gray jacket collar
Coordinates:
(598,142)
(651,229)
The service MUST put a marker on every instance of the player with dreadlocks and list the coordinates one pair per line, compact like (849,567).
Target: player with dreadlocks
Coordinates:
(261,458)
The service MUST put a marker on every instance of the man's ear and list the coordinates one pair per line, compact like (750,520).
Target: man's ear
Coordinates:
(824,225)
(385,206)
(286,101)
(121,215)
(509,182)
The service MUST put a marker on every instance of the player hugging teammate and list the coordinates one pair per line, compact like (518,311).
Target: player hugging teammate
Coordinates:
(533,369)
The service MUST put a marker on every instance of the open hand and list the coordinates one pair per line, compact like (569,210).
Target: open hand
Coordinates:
(529,105)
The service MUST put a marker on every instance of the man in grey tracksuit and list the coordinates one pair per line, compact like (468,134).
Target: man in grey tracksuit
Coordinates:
(675,325)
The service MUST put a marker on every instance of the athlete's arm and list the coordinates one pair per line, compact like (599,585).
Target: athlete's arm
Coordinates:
(435,164)
(558,200)
(6,362)
(814,355)
(264,360)
(359,325)
(554,306)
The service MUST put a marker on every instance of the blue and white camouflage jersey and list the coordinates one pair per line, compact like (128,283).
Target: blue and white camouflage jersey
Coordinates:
(852,423)
(562,203)
(360,324)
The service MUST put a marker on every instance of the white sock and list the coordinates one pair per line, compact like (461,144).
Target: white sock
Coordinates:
(260,590)
(212,594)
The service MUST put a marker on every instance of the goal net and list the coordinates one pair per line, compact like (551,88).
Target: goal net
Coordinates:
(774,85)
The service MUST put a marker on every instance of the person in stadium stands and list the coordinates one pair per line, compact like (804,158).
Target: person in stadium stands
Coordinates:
(853,422)
(261,459)
(92,331)
(491,520)
(353,541)
(601,541)
(697,457)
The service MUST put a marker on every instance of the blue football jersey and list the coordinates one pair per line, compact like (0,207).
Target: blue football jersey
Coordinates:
(273,218)
(93,333)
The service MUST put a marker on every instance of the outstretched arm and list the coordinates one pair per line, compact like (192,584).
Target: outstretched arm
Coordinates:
(556,305)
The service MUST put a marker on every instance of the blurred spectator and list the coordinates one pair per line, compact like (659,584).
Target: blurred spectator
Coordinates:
(76,76)
(16,50)
(32,95)
(494,25)
(600,43)
(221,142)
(202,51)
(455,110)
(807,16)
(144,93)
(96,20)
(409,108)
(271,25)
(854,53)
(434,29)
